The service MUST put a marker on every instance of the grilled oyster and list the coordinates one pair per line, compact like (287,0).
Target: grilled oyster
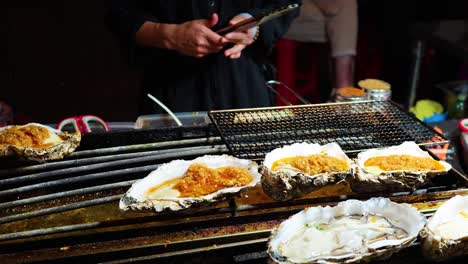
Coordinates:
(399,168)
(37,142)
(352,231)
(295,170)
(181,184)
(446,232)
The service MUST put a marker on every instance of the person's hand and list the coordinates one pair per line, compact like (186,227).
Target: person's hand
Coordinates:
(195,38)
(240,39)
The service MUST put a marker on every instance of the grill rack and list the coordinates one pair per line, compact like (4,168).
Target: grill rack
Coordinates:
(355,126)
(90,181)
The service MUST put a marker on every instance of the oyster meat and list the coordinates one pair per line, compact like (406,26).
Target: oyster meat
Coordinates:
(181,184)
(295,170)
(446,232)
(398,168)
(352,231)
(37,142)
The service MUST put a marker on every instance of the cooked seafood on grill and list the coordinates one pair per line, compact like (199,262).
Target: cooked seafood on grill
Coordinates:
(398,168)
(446,232)
(252,117)
(295,170)
(181,184)
(352,231)
(37,142)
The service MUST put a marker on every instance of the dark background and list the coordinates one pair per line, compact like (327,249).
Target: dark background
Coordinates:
(58,58)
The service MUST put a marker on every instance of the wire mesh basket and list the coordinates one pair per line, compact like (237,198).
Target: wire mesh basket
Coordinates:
(355,126)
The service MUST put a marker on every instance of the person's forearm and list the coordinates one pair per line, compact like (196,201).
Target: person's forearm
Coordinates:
(192,38)
(344,71)
(156,35)
(342,27)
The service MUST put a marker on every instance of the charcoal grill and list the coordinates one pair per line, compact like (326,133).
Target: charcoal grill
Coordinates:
(67,211)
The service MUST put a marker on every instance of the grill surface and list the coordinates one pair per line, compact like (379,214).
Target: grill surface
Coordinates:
(251,133)
(67,211)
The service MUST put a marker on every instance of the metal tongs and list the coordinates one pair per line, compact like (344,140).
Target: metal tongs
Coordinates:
(259,19)
(163,106)
(284,100)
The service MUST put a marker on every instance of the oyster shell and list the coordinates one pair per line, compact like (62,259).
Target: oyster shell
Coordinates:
(158,189)
(37,142)
(374,179)
(286,182)
(352,231)
(446,232)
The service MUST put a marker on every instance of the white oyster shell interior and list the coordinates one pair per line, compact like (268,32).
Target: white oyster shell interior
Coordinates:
(406,148)
(176,169)
(451,220)
(302,238)
(304,149)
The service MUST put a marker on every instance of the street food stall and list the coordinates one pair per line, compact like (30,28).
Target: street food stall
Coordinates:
(82,208)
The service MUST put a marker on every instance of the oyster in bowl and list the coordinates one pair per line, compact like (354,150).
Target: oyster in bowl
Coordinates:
(446,232)
(295,170)
(350,232)
(37,142)
(181,184)
(404,167)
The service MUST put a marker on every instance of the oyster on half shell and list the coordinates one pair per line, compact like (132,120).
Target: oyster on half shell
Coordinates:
(446,232)
(37,142)
(352,231)
(295,170)
(398,168)
(181,184)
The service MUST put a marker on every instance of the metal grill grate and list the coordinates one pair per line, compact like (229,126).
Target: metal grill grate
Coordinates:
(67,211)
(251,133)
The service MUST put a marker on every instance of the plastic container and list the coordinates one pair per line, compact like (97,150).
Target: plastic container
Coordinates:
(165,120)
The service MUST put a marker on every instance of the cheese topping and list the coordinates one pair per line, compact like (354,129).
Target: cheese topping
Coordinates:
(403,163)
(200,180)
(312,164)
(28,136)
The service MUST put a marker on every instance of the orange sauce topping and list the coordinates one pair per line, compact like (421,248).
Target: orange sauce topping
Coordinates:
(404,162)
(313,164)
(350,92)
(25,136)
(201,180)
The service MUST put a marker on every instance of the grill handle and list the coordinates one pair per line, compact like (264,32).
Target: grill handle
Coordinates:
(269,83)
